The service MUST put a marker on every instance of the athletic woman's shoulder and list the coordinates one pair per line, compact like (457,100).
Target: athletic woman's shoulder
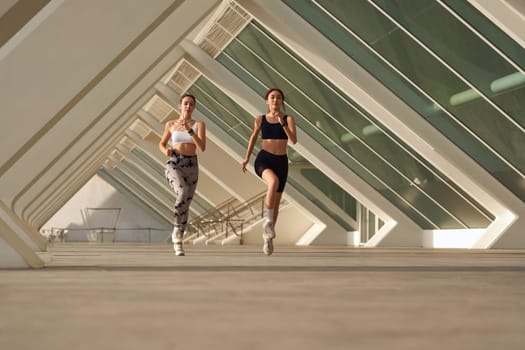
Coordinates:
(169,124)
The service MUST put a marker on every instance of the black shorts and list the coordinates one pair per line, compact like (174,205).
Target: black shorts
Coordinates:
(277,163)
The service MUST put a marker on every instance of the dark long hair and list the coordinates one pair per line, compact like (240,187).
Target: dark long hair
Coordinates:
(278,90)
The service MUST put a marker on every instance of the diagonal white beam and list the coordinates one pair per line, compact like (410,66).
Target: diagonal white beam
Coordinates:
(509,15)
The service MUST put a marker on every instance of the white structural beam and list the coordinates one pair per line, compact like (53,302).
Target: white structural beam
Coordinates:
(67,88)
(112,117)
(509,15)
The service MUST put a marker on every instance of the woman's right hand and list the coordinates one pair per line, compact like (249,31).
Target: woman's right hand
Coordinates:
(244,164)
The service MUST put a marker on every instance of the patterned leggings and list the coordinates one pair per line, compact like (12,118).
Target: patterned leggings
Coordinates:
(182,174)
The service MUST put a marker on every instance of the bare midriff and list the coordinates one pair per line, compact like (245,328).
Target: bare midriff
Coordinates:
(187,149)
(275,146)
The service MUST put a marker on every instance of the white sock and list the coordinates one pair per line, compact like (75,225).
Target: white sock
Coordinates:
(269,214)
(176,235)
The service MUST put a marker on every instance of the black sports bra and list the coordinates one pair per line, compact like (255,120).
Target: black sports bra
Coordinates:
(272,130)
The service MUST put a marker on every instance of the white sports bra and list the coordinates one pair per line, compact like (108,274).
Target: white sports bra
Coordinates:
(178,137)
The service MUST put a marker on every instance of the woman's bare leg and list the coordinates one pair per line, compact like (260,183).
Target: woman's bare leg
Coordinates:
(272,197)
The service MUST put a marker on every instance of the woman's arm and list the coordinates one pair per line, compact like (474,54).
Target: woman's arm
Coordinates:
(289,129)
(200,137)
(165,138)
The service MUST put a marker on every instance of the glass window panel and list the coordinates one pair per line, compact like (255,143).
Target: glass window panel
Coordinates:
(374,28)
(144,180)
(135,189)
(222,110)
(320,204)
(156,168)
(437,80)
(489,30)
(475,60)
(331,190)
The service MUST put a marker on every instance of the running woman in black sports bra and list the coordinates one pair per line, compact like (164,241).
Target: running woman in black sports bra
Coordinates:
(271,163)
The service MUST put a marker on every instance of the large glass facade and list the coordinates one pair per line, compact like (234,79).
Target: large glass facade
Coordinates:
(350,133)
(438,61)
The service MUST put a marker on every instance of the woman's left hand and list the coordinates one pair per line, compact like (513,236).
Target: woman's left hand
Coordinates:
(279,117)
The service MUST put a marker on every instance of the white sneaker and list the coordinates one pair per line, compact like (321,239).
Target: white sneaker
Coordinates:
(268,231)
(268,246)
(179,251)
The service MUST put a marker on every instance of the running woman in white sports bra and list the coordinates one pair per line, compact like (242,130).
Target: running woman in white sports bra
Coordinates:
(184,136)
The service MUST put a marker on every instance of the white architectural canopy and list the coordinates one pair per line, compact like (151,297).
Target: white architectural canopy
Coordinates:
(410,122)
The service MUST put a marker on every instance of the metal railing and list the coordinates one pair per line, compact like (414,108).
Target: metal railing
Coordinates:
(227,218)
(105,234)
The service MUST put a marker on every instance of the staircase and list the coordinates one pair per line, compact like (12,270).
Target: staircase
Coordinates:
(224,224)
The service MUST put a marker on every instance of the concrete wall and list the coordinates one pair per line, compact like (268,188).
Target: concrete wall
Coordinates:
(97,193)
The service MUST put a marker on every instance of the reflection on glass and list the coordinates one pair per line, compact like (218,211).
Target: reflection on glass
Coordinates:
(420,78)
(331,190)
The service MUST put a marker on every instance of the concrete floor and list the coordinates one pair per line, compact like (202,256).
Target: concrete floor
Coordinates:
(122,296)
